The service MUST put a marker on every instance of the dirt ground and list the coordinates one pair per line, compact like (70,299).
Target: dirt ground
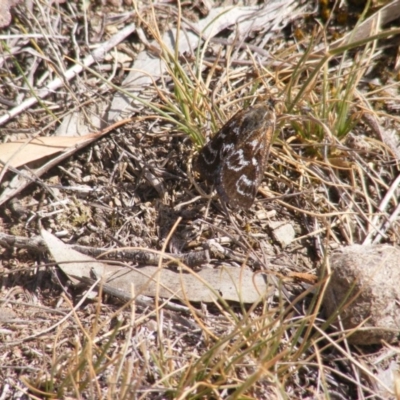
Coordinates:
(132,192)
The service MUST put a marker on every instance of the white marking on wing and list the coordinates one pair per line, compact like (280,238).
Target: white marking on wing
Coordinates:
(236,161)
(226,148)
(245,182)
(254,143)
(210,154)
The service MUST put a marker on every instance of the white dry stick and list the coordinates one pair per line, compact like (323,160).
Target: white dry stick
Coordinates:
(388,224)
(381,210)
(97,55)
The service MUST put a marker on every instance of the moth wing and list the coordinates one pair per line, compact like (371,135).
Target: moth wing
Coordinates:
(209,158)
(242,160)
(234,158)
(241,171)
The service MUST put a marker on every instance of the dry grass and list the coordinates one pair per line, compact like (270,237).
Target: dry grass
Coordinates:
(329,169)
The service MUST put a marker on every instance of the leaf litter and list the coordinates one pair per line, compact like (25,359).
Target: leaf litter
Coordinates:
(139,189)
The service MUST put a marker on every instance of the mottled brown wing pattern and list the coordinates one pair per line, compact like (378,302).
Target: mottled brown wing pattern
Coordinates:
(209,159)
(234,159)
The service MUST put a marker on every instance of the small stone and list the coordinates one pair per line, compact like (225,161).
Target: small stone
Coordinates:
(365,284)
(282,232)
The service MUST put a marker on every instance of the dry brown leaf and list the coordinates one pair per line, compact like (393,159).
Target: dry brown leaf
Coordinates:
(21,152)
(233,284)
(21,181)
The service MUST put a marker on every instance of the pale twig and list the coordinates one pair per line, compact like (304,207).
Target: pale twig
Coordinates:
(97,55)
(382,206)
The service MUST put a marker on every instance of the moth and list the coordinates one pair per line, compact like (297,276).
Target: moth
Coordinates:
(234,159)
